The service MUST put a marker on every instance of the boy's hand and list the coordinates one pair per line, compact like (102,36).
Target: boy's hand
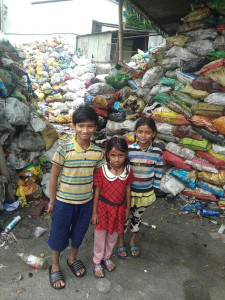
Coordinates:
(94,219)
(127,213)
(50,207)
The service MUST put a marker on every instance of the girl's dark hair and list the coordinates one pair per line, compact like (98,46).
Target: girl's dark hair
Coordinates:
(119,144)
(85,113)
(146,121)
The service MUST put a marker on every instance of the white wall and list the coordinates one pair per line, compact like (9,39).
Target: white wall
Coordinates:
(59,17)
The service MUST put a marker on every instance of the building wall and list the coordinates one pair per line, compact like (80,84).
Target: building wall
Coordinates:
(96,47)
(73,16)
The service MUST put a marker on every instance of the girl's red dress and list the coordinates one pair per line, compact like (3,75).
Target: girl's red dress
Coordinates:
(113,188)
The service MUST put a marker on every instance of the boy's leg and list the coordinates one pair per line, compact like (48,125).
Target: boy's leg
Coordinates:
(72,258)
(135,224)
(110,242)
(56,267)
(99,249)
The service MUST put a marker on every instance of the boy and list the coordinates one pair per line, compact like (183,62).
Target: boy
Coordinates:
(71,199)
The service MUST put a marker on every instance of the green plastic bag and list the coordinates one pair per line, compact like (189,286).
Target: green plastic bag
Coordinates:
(208,110)
(202,145)
(162,97)
(117,81)
(214,55)
(167,81)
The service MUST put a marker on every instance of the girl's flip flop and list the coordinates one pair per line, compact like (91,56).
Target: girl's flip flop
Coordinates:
(135,248)
(122,249)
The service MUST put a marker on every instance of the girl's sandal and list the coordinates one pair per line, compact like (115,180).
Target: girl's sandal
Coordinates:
(106,263)
(97,268)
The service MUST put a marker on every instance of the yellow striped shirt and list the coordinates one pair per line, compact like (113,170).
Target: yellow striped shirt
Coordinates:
(76,178)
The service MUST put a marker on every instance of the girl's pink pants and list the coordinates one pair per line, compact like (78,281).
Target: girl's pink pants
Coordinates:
(103,245)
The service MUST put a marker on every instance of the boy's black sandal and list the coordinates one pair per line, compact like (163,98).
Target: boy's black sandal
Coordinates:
(54,277)
(76,267)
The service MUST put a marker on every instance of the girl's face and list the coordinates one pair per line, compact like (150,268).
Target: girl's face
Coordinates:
(116,158)
(144,135)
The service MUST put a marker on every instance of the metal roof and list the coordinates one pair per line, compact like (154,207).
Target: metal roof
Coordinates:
(166,14)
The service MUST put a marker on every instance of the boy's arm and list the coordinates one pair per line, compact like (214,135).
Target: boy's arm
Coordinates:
(53,182)
(127,201)
(94,217)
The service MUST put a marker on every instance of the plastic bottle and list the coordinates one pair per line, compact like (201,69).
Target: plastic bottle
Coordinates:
(12,224)
(210,212)
(34,261)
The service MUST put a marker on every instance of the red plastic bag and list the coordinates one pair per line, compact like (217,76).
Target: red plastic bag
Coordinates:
(198,195)
(175,160)
(100,112)
(212,159)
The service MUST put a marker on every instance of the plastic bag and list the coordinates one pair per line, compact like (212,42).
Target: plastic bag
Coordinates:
(187,178)
(203,34)
(197,94)
(161,97)
(180,151)
(118,81)
(184,98)
(212,159)
(186,131)
(175,160)
(16,112)
(171,185)
(191,208)
(30,141)
(105,101)
(195,65)
(219,124)
(201,165)
(8,83)
(208,110)
(169,116)
(191,26)
(133,106)
(202,121)
(216,98)
(215,179)
(165,128)
(100,89)
(205,84)
(184,77)
(200,47)
(196,15)
(166,137)
(202,145)
(219,43)
(157,89)
(113,128)
(218,149)
(173,63)
(199,194)
(186,112)
(182,53)
(49,134)
(152,77)
(211,136)
(178,40)
(215,70)
(210,188)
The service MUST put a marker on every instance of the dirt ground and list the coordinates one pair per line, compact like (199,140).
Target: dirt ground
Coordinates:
(180,260)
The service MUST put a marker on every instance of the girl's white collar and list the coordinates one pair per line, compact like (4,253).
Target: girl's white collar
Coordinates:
(111,177)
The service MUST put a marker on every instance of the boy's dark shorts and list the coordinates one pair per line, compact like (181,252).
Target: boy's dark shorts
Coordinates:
(69,221)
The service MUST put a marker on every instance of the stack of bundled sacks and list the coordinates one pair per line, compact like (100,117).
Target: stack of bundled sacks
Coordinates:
(25,135)
(184,92)
(59,77)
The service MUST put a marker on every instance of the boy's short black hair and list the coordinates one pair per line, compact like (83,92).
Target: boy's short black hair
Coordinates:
(85,113)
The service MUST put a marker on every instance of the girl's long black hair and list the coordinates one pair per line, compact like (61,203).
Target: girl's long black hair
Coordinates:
(119,144)
(146,121)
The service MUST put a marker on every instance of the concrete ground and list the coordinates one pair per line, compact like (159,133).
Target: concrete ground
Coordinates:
(180,260)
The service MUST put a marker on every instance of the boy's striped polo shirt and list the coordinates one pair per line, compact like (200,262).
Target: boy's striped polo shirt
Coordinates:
(76,179)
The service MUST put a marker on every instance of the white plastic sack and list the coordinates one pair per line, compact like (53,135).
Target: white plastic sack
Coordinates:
(184,78)
(216,98)
(80,70)
(119,128)
(218,149)
(82,61)
(180,151)
(37,123)
(152,77)
(159,89)
(60,107)
(77,103)
(70,96)
(171,185)
(181,53)
(203,34)
(16,112)
(200,47)
(81,93)
(171,74)
(171,63)
(57,78)
(72,85)
(165,128)
(30,141)
(101,77)
(46,88)
(100,89)
(103,68)
(48,155)
(87,76)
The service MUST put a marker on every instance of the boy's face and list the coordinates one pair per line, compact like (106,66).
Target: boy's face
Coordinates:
(84,130)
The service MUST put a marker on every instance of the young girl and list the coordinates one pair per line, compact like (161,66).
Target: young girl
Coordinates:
(146,162)
(111,205)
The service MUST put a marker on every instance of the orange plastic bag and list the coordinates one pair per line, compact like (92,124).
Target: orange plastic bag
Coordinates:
(219,124)
(202,121)
(217,179)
